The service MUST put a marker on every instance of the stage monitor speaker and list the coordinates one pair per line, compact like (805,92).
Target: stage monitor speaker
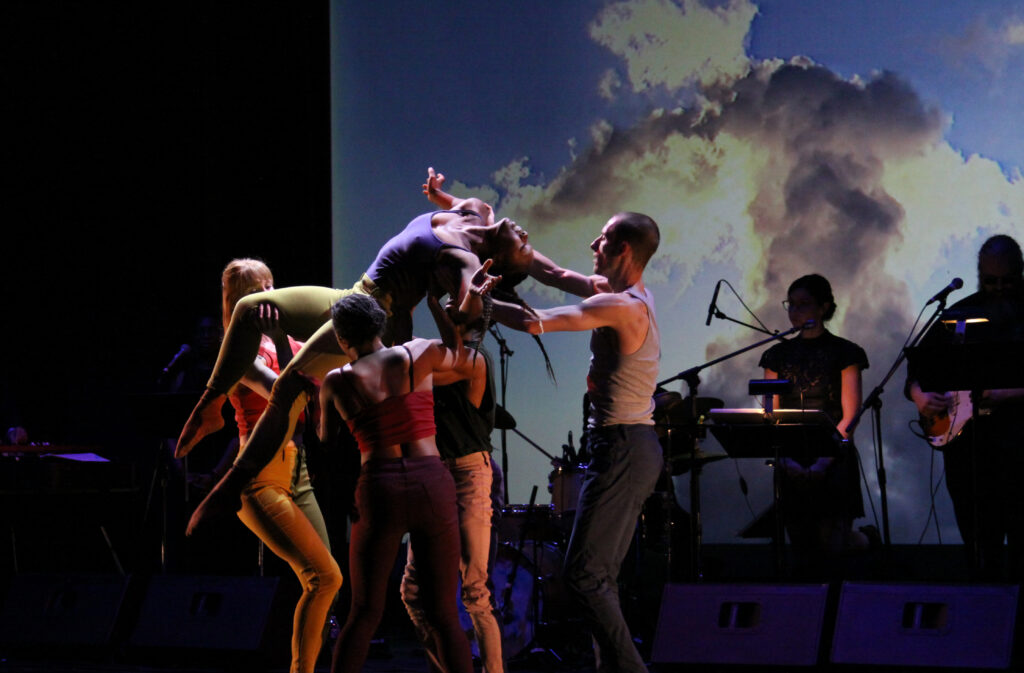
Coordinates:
(740,624)
(61,609)
(925,625)
(205,612)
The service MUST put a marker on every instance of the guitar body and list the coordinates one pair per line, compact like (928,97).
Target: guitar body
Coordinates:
(943,428)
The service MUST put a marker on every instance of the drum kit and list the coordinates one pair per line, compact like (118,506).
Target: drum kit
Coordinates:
(532,539)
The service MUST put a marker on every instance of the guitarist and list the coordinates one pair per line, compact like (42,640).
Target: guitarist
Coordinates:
(989,506)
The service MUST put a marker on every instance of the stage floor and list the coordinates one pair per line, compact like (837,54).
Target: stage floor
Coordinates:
(744,565)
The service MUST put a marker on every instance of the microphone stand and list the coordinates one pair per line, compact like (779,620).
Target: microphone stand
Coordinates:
(874,402)
(693,381)
(757,328)
(504,353)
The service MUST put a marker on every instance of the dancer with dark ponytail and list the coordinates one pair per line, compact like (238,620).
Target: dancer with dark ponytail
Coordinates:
(385,395)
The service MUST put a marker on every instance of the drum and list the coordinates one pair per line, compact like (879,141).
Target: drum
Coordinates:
(564,485)
(528,522)
(528,591)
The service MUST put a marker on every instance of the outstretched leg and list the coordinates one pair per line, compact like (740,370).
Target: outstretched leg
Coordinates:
(277,425)
(301,311)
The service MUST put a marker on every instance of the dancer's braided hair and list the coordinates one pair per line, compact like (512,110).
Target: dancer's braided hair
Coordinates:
(506,291)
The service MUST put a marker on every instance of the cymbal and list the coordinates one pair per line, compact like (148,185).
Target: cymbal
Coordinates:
(672,408)
(502,419)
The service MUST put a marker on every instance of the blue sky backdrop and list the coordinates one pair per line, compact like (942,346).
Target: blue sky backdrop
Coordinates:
(877,143)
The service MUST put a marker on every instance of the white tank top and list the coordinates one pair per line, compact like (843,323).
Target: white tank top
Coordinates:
(621,387)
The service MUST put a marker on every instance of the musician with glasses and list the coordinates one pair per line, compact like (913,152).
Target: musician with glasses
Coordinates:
(985,488)
(821,494)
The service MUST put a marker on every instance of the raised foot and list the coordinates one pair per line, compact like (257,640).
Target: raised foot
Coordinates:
(205,419)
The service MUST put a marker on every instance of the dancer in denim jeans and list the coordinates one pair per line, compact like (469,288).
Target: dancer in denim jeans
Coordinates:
(464,415)
(625,454)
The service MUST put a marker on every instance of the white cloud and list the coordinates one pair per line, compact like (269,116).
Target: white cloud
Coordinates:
(784,169)
(675,45)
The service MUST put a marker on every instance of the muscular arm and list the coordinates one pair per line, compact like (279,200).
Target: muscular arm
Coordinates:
(545,271)
(602,310)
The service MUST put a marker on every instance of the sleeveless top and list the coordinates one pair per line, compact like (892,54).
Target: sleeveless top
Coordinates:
(396,420)
(249,405)
(621,387)
(463,429)
(405,265)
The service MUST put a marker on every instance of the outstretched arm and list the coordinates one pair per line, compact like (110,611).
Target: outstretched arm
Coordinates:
(460,274)
(434,192)
(601,310)
(544,270)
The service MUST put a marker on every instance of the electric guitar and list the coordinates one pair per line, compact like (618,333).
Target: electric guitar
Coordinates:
(946,426)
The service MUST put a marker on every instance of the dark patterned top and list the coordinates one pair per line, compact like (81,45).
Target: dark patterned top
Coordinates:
(815,367)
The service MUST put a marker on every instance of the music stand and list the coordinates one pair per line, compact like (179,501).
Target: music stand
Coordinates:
(977,367)
(782,433)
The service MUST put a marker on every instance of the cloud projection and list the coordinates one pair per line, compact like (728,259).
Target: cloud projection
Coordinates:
(759,172)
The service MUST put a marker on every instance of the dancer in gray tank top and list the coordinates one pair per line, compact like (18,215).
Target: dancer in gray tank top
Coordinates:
(626,457)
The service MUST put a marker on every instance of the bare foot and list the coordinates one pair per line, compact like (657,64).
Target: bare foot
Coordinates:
(205,418)
(224,500)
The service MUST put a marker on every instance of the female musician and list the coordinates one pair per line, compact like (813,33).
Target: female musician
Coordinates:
(821,494)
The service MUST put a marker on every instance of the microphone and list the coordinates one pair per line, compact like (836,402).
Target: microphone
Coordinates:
(714,303)
(182,352)
(941,295)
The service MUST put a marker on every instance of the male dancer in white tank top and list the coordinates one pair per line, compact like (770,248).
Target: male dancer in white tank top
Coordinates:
(626,457)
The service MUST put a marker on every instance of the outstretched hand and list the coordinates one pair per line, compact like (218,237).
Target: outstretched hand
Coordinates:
(434,183)
(482,282)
